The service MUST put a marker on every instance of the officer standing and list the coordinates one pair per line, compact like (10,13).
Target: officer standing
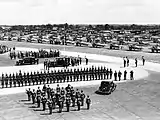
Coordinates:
(119,75)
(86,60)
(29,93)
(82,95)
(131,75)
(127,61)
(125,75)
(68,102)
(124,61)
(143,60)
(115,76)
(88,102)
(110,73)
(136,62)
(50,106)
(44,100)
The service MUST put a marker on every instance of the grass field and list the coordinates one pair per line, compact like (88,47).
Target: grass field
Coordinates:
(135,100)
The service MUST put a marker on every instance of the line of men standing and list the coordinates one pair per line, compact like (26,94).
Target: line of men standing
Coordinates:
(126,61)
(58,97)
(69,75)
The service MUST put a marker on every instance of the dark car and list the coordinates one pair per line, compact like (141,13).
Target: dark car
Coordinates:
(106,88)
(27,61)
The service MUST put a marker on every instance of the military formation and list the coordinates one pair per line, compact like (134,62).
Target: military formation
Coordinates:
(60,97)
(61,76)
(40,54)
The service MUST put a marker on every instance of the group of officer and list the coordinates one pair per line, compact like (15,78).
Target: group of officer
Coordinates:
(58,97)
(40,54)
(126,61)
(62,61)
(61,76)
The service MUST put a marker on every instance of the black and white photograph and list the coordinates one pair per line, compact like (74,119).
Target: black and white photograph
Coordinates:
(79,60)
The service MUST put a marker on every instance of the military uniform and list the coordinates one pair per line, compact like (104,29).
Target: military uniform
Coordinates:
(29,93)
(131,75)
(60,104)
(44,100)
(82,96)
(68,102)
(38,97)
(88,102)
(2,81)
(125,74)
(119,75)
(79,103)
(110,73)
(50,106)
(115,76)
(53,102)
(33,96)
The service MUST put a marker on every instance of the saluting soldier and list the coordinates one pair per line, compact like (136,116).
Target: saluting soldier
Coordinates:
(33,96)
(125,74)
(82,95)
(119,75)
(29,93)
(115,76)
(68,102)
(50,103)
(44,100)
(88,102)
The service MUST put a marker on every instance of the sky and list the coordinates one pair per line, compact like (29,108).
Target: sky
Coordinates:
(15,12)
